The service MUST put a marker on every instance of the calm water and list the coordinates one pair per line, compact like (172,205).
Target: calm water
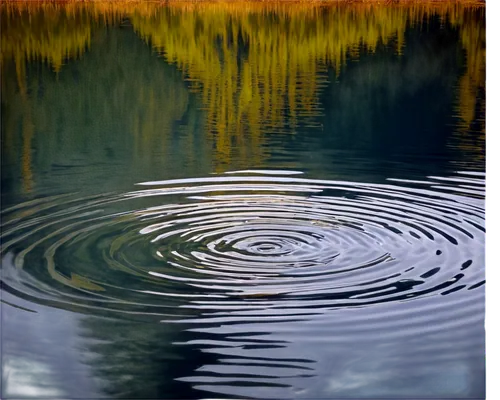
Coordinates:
(242,200)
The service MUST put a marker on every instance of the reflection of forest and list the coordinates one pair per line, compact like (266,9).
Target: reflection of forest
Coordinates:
(257,68)
(138,360)
(80,87)
(101,116)
(261,70)
(269,62)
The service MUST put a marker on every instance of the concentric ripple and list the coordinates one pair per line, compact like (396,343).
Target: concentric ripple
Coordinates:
(266,240)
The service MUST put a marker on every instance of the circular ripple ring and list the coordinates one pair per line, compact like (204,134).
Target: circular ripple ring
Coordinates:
(248,239)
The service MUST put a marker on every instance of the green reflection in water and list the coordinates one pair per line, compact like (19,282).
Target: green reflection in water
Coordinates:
(240,72)
(99,96)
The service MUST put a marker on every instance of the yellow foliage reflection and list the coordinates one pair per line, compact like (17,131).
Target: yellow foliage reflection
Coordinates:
(257,66)
(47,32)
(261,66)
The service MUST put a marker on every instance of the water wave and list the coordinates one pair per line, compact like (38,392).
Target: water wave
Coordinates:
(268,242)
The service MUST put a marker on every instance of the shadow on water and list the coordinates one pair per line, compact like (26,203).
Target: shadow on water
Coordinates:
(141,361)
(253,200)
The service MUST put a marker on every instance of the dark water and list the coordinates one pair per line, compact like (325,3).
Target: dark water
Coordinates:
(243,200)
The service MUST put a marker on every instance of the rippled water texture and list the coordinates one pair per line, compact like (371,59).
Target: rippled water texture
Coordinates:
(218,243)
(243,200)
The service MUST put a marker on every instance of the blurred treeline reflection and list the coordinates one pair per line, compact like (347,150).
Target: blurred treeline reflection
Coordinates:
(239,71)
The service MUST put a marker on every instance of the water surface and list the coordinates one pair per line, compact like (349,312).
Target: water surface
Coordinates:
(243,200)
